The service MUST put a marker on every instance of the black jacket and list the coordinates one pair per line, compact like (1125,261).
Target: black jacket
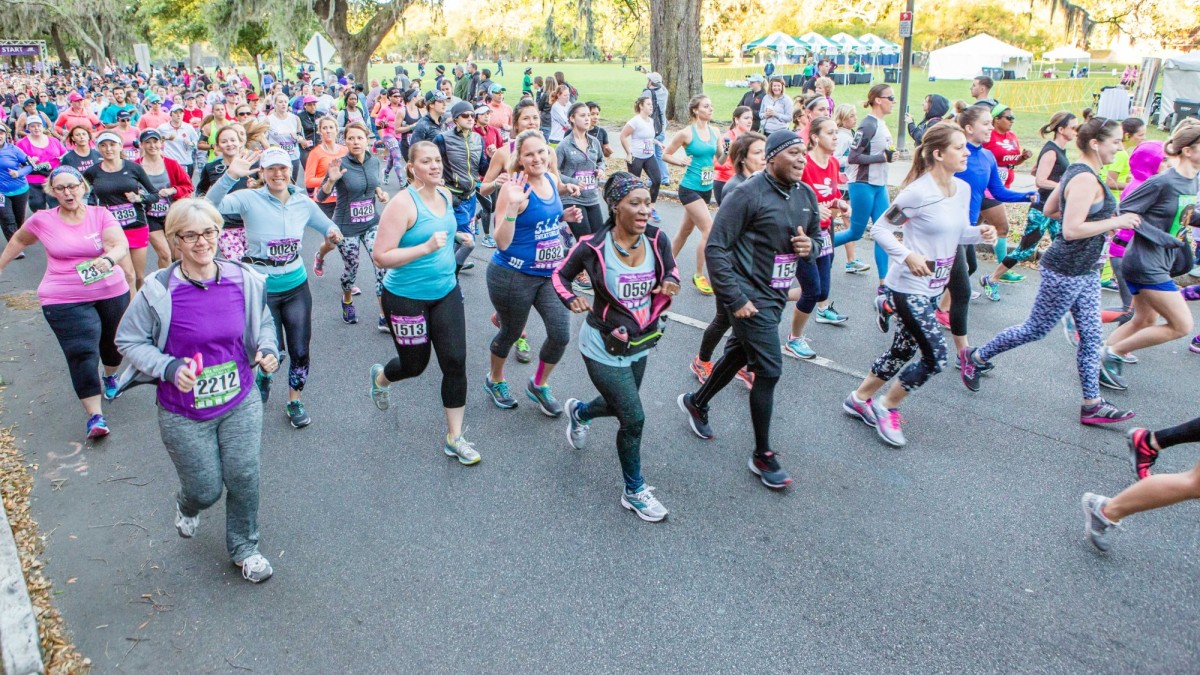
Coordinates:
(751,232)
(753,100)
(607,312)
(939,107)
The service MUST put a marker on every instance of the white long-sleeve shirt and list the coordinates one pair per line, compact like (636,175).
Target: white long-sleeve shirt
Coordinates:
(936,226)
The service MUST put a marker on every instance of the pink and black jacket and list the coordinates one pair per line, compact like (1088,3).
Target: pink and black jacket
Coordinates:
(607,312)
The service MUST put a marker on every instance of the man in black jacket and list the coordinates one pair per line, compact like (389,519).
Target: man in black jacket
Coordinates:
(752,253)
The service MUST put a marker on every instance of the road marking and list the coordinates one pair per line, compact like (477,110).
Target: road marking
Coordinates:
(819,361)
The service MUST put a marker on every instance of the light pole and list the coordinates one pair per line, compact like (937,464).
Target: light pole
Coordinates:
(906,31)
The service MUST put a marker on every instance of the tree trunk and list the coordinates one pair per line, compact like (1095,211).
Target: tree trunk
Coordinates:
(357,63)
(59,47)
(675,52)
(356,48)
(195,53)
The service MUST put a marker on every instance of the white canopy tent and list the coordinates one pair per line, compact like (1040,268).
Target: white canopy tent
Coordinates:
(1181,80)
(818,42)
(847,42)
(967,59)
(877,43)
(780,42)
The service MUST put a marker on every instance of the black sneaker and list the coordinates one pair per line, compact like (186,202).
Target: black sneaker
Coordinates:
(297,416)
(697,417)
(969,366)
(883,311)
(766,467)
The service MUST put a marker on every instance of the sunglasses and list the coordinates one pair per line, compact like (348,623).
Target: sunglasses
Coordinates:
(1010,118)
(244,113)
(890,98)
(466,116)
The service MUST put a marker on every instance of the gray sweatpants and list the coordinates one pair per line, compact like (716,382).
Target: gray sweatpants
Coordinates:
(216,452)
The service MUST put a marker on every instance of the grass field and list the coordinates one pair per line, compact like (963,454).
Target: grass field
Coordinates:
(615,88)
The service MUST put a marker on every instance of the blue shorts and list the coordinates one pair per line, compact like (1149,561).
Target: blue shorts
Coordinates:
(1168,286)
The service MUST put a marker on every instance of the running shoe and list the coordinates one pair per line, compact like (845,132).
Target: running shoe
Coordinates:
(860,409)
(766,467)
(111,391)
(857,266)
(263,382)
(1103,413)
(1111,368)
(1195,346)
(697,416)
(1110,286)
(296,415)
(488,241)
(461,449)
(1142,455)
(20,256)
(1095,524)
(582,283)
(702,369)
(1011,277)
(355,290)
(499,393)
(383,325)
(522,347)
(349,316)
(746,377)
(255,569)
(1069,330)
(655,216)
(701,284)
(798,347)
(970,368)
(644,504)
(990,288)
(379,395)
(888,422)
(943,318)
(468,265)
(541,395)
(184,524)
(830,316)
(1129,358)
(983,369)
(577,429)
(97,427)
(883,312)
(318,265)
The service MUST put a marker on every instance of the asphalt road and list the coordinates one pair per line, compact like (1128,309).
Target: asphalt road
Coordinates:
(962,552)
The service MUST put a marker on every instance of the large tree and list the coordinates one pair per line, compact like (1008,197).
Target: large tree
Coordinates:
(675,51)
(356,28)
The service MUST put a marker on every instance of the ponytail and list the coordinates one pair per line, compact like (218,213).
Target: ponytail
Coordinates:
(1060,120)
(938,138)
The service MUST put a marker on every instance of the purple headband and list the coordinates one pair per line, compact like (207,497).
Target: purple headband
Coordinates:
(619,187)
(67,169)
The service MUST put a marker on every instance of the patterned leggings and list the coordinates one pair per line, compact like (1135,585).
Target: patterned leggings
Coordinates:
(395,158)
(1057,295)
(918,330)
(1035,226)
(350,248)
(232,243)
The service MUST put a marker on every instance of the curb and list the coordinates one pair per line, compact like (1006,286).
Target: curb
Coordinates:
(19,644)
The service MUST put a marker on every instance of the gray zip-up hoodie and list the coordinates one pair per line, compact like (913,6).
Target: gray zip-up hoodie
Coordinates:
(577,167)
(141,338)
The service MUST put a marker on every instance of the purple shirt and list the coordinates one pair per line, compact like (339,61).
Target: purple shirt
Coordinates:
(211,323)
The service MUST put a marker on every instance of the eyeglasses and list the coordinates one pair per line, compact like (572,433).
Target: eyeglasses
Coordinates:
(65,188)
(192,237)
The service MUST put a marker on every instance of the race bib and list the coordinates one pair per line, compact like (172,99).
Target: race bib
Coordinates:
(586,179)
(548,253)
(158,209)
(216,385)
(706,177)
(633,288)
(941,272)
(826,244)
(784,270)
(2,198)
(124,213)
(1003,171)
(88,273)
(647,147)
(410,330)
(130,154)
(283,250)
(289,145)
(362,211)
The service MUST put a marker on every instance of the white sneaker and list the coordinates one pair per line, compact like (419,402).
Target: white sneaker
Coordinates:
(186,526)
(644,504)
(255,569)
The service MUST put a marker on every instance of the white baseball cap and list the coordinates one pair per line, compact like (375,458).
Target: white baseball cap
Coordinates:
(274,157)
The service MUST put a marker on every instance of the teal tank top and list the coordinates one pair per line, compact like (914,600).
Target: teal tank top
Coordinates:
(699,174)
(631,287)
(430,277)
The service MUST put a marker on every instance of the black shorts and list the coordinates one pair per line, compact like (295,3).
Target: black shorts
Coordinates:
(156,224)
(688,195)
(758,338)
(988,203)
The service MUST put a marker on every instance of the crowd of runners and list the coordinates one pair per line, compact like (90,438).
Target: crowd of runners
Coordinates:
(221,179)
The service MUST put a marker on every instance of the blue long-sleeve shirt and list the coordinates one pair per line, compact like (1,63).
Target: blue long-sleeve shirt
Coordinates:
(981,174)
(274,229)
(12,157)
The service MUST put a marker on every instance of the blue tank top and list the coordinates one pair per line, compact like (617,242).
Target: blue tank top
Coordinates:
(699,174)
(537,244)
(430,277)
